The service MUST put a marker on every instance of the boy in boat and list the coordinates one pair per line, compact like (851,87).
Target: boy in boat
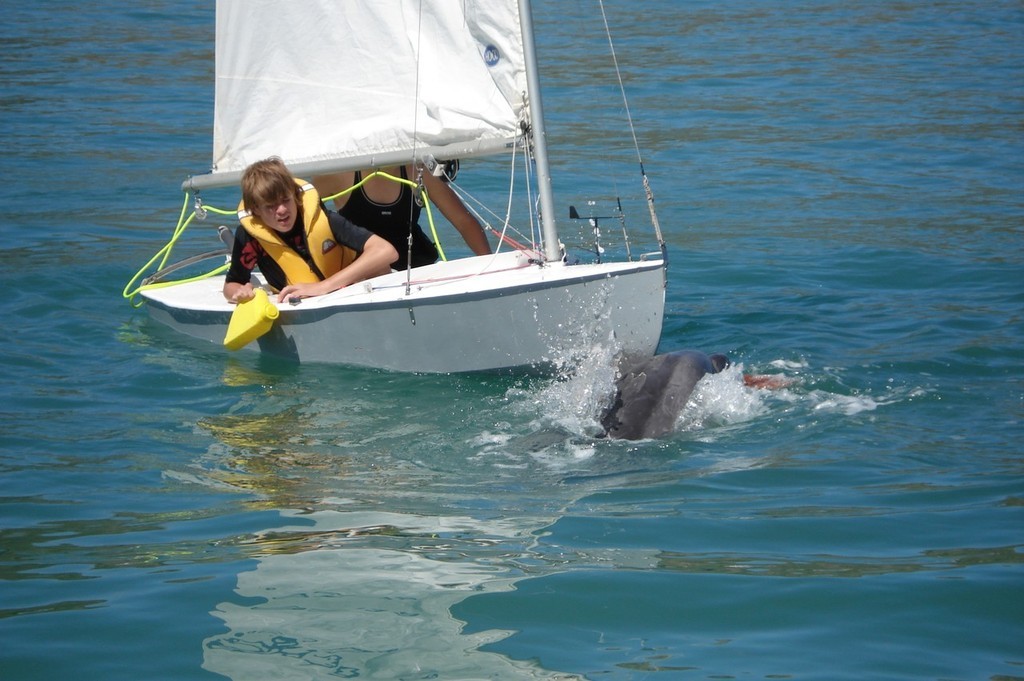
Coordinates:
(389,209)
(301,248)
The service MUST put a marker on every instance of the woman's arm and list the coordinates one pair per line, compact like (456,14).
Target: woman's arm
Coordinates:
(455,212)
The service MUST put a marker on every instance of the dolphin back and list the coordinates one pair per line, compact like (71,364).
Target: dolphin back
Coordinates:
(651,393)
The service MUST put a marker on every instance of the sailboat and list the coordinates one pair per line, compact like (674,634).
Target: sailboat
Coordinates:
(330,86)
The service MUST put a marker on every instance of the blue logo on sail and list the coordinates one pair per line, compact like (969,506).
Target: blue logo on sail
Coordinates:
(491,55)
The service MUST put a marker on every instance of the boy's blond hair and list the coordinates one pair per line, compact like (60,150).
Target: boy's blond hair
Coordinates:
(267,182)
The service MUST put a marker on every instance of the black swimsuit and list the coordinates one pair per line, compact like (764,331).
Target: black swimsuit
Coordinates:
(391,221)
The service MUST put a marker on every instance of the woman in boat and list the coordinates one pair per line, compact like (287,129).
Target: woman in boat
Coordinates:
(388,208)
(301,248)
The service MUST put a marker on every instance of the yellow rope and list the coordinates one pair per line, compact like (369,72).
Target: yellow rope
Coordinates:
(415,186)
(164,254)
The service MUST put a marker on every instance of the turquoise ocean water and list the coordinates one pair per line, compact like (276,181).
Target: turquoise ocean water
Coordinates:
(842,189)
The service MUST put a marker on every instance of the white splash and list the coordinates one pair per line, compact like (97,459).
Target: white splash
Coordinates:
(722,399)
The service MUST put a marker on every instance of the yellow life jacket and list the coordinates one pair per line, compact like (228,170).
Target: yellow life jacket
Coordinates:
(329,256)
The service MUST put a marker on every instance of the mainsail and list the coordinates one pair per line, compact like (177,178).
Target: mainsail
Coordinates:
(340,84)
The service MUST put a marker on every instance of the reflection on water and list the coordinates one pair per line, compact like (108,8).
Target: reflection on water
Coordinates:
(838,566)
(61,606)
(272,455)
(334,606)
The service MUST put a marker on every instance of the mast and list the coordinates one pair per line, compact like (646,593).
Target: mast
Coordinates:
(549,231)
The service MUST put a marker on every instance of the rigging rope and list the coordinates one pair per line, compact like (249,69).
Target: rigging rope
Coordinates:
(416,187)
(164,254)
(185,219)
(503,237)
(636,145)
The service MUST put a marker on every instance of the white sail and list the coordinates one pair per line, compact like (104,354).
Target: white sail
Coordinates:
(327,84)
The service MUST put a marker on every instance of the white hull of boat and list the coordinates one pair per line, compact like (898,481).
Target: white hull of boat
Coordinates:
(474,314)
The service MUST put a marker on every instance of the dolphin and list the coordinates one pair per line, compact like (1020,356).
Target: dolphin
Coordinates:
(651,393)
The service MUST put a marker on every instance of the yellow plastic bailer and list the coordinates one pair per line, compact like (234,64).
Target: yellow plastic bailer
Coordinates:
(250,320)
